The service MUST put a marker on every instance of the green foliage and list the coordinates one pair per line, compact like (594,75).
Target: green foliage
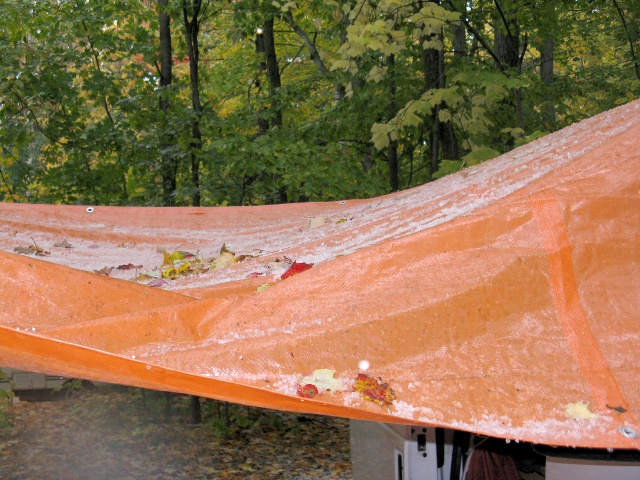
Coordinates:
(5,402)
(79,94)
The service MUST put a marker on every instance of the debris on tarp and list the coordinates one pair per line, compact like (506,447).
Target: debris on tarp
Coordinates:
(295,268)
(374,390)
(319,382)
(579,410)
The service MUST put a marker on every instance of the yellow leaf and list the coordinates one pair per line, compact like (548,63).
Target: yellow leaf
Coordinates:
(579,410)
(263,287)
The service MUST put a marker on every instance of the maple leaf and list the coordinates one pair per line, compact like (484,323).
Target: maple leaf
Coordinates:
(373,390)
(296,268)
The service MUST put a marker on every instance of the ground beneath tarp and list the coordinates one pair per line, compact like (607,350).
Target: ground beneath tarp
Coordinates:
(124,433)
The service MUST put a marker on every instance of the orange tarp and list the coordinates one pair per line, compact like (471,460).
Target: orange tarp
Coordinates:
(502,300)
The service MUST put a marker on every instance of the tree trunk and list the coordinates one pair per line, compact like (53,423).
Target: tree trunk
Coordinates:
(263,123)
(273,71)
(459,34)
(196,409)
(506,38)
(442,138)
(630,38)
(169,162)
(192,27)
(392,109)
(506,47)
(546,75)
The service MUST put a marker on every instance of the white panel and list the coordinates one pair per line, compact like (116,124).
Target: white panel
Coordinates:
(573,469)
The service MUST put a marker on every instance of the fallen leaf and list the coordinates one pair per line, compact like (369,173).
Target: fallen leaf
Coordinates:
(31,249)
(104,271)
(143,277)
(263,287)
(323,379)
(579,410)
(179,255)
(296,268)
(307,391)
(316,222)
(342,220)
(371,389)
(63,244)
(129,266)
(616,409)
(225,258)
(158,283)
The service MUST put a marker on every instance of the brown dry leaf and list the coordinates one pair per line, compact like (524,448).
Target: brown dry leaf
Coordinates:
(31,250)
(63,244)
(316,222)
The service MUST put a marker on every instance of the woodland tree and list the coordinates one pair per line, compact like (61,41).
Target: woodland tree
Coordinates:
(104,102)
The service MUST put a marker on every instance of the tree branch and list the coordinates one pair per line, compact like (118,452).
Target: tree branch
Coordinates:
(633,53)
(477,35)
(97,63)
(315,56)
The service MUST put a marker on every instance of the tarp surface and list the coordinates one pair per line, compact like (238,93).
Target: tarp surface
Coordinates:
(502,300)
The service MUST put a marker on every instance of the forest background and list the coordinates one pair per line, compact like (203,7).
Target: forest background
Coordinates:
(245,102)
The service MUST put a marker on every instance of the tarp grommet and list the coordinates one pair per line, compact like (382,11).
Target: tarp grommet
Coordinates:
(628,432)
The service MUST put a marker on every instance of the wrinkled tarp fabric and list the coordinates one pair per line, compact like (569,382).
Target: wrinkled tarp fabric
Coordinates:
(502,300)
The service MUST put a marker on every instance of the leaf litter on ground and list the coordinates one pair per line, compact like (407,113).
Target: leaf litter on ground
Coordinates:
(127,433)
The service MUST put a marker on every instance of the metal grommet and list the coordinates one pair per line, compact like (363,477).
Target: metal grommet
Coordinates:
(628,432)
(89,209)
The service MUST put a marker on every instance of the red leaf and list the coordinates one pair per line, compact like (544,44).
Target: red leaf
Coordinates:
(296,268)
(128,266)
(307,391)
